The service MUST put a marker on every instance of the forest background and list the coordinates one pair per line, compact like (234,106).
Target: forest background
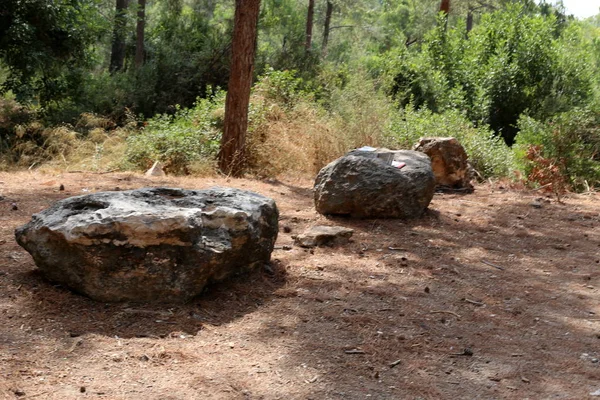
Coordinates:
(101,85)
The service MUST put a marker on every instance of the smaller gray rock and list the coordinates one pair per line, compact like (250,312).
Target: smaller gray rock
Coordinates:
(536,204)
(376,184)
(324,236)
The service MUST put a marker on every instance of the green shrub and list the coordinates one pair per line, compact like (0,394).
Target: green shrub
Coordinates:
(502,70)
(282,87)
(181,139)
(488,154)
(571,141)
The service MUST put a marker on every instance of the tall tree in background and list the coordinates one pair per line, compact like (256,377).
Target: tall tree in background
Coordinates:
(243,49)
(139,37)
(309,25)
(326,26)
(445,6)
(117,54)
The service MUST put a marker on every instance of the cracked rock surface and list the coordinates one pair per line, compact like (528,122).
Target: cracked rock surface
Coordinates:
(369,185)
(153,244)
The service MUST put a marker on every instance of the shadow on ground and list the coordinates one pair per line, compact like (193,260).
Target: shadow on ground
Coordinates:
(486,296)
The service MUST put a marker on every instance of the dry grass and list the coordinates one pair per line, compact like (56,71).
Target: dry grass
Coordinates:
(304,139)
(299,140)
(100,151)
(39,144)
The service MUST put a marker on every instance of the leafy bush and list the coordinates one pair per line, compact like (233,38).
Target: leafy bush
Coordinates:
(500,71)
(361,111)
(487,153)
(569,141)
(281,87)
(180,139)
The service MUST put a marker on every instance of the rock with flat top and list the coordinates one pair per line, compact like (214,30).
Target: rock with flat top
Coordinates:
(324,236)
(151,245)
(376,183)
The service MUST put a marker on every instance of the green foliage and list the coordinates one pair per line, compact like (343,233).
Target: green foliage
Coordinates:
(180,139)
(362,112)
(283,87)
(525,66)
(571,141)
(391,73)
(45,44)
(282,36)
(487,153)
(502,70)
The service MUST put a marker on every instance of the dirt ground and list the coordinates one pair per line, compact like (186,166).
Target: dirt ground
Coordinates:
(491,295)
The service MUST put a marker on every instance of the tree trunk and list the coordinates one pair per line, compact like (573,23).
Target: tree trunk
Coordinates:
(445,6)
(243,48)
(139,40)
(469,22)
(328,14)
(117,54)
(309,25)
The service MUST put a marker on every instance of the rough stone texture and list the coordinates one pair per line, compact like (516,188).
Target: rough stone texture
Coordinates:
(151,245)
(448,161)
(366,185)
(324,236)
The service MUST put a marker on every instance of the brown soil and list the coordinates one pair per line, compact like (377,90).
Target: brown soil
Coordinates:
(407,310)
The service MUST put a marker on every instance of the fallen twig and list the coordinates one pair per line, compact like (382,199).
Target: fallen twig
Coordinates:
(477,303)
(396,249)
(542,187)
(35,395)
(110,171)
(392,365)
(354,351)
(492,265)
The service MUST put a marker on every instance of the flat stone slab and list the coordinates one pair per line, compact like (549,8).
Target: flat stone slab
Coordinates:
(151,245)
(324,236)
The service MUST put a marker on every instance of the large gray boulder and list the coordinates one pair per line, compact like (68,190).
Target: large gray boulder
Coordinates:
(151,245)
(369,184)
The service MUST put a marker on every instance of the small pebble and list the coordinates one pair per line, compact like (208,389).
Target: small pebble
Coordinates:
(536,204)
